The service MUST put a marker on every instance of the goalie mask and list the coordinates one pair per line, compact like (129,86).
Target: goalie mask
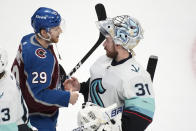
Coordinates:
(124,30)
(3,60)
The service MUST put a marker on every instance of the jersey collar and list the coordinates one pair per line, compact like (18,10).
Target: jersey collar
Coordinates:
(114,63)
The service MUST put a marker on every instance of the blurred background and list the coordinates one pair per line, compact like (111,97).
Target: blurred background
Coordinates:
(169,32)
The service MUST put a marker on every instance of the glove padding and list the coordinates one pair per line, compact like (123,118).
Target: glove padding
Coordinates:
(95,118)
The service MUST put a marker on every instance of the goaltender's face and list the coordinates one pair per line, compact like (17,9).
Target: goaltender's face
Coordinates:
(55,33)
(109,46)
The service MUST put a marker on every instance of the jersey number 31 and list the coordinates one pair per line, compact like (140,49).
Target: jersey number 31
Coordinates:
(142,89)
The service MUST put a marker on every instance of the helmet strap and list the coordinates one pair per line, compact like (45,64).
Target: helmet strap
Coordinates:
(47,39)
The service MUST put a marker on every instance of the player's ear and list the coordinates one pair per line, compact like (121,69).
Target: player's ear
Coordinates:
(118,47)
(43,33)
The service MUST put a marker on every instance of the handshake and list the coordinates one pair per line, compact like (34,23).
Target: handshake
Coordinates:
(72,85)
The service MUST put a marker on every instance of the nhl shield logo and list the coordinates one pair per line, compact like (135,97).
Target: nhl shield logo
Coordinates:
(41,53)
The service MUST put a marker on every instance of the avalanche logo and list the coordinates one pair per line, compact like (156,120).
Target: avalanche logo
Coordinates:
(41,53)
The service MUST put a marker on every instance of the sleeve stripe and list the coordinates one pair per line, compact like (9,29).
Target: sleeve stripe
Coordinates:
(24,117)
(138,115)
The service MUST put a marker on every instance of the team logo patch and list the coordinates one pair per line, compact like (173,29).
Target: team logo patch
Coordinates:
(96,88)
(41,53)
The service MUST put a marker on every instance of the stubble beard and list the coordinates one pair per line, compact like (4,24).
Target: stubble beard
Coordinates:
(112,54)
(55,40)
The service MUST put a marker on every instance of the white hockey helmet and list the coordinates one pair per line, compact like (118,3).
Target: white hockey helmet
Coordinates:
(3,59)
(124,30)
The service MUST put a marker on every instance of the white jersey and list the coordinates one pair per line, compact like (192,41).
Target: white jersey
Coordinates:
(13,109)
(127,83)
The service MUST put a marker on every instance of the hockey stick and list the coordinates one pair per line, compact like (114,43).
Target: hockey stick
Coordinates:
(101,15)
(151,66)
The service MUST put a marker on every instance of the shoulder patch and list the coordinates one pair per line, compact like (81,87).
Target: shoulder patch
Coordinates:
(41,53)
(134,68)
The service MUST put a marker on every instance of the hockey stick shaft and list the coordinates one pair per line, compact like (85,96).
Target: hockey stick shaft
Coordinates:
(151,66)
(100,40)
(101,14)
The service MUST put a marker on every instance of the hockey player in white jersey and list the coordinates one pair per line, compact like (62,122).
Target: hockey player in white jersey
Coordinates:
(13,111)
(118,78)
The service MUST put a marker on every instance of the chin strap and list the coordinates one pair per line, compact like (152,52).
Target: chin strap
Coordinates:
(49,39)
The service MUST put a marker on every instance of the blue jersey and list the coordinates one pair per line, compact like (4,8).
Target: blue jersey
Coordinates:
(37,71)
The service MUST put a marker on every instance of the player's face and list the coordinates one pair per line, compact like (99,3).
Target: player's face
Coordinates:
(55,33)
(110,47)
